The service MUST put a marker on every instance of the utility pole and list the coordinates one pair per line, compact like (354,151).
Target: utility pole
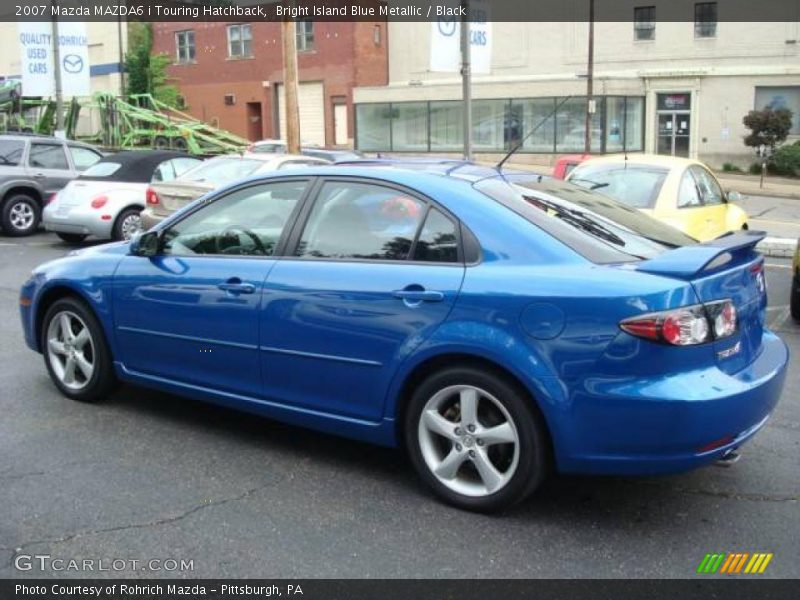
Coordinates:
(57,76)
(291,111)
(590,102)
(466,81)
(121,57)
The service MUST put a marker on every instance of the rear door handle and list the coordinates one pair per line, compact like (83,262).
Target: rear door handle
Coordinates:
(235,286)
(418,295)
(39,175)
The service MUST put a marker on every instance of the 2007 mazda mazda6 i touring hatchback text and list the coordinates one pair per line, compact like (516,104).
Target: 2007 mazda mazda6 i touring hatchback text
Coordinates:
(495,325)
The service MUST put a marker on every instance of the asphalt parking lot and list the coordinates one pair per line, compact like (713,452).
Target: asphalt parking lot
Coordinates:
(152,476)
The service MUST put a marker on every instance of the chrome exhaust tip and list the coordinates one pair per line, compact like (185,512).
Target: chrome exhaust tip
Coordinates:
(730,458)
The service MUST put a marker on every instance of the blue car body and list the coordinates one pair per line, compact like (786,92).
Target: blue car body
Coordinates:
(325,344)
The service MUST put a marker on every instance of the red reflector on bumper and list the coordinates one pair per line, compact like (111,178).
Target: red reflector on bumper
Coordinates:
(716,444)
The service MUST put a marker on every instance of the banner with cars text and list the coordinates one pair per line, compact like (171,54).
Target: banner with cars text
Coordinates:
(387,10)
(417,589)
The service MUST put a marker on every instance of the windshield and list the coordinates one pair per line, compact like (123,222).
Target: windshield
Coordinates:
(637,186)
(221,170)
(594,225)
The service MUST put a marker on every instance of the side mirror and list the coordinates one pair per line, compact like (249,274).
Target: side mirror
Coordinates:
(144,244)
(734,196)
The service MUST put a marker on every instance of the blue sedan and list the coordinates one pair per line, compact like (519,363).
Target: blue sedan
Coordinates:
(497,326)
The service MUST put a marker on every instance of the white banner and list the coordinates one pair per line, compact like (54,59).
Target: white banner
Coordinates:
(446,38)
(36,46)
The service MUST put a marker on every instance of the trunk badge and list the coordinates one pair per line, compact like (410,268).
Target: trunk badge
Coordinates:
(730,351)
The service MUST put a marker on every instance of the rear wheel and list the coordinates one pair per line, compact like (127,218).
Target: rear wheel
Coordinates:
(475,440)
(72,238)
(20,215)
(128,222)
(75,351)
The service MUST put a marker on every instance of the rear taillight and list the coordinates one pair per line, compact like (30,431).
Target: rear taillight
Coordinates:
(51,198)
(686,326)
(151,197)
(99,201)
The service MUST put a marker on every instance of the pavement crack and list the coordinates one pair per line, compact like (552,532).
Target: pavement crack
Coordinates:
(153,523)
(748,497)
(22,475)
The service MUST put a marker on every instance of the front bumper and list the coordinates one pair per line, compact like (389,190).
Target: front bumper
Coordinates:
(648,426)
(78,220)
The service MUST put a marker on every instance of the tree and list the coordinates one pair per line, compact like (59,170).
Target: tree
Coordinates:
(768,127)
(147,72)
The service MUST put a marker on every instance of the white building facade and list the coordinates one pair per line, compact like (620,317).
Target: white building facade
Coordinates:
(677,88)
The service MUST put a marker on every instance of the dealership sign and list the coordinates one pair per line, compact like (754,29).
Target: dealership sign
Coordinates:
(446,37)
(36,47)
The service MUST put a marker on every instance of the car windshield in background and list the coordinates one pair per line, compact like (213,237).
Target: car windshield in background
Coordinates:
(219,171)
(101,169)
(11,152)
(635,185)
(268,148)
(596,226)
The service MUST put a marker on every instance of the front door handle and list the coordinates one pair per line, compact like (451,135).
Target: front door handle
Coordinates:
(418,295)
(235,286)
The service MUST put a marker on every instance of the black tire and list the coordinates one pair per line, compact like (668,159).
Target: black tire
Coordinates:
(103,379)
(179,143)
(118,232)
(794,301)
(161,142)
(72,238)
(533,442)
(20,204)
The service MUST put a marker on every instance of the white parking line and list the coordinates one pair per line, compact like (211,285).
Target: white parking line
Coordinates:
(774,266)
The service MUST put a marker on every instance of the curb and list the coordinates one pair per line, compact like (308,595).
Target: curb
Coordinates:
(777,247)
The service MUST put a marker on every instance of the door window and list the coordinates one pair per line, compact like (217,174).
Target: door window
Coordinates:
(688,194)
(247,222)
(48,156)
(361,221)
(710,192)
(83,158)
(438,241)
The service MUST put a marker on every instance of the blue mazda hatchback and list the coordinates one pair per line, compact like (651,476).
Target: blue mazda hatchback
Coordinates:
(497,326)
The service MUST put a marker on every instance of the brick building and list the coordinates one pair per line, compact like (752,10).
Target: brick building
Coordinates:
(230,74)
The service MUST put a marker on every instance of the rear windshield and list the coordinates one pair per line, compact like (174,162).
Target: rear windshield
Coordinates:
(596,226)
(221,170)
(635,185)
(11,152)
(102,169)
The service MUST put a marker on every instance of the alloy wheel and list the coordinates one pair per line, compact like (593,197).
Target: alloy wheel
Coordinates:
(22,216)
(70,350)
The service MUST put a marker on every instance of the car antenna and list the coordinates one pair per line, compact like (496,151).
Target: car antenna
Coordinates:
(499,165)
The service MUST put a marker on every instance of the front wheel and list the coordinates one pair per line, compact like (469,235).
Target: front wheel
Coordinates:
(75,351)
(475,439)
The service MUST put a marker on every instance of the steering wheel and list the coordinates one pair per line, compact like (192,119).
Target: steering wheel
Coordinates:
(236,228)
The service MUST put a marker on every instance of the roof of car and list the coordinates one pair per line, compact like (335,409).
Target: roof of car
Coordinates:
(651,160)
(136,166)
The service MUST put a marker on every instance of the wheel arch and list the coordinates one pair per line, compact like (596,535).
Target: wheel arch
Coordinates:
(47,298)
(22,188)
(422,369)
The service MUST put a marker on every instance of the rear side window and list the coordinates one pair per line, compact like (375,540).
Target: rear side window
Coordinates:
(102,169)
(635,185)
(438,241)
(361,221)
(11,152)
(48,156)
(83,158)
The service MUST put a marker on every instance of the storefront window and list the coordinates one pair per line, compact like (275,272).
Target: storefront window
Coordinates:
(410,127)
(571,126)
(634,124)
(781,97)
(373,123)
(488,125)
(537,113)
(615,124)
(447,126)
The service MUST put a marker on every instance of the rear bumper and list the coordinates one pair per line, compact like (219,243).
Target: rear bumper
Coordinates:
(78,220)
(666,424)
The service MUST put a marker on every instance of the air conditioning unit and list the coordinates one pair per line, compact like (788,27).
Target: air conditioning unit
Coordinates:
(230,99)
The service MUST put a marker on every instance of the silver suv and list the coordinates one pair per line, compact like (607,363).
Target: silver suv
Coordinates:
(33,168)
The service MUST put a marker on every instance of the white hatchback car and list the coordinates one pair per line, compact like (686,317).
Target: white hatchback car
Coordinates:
(105,201)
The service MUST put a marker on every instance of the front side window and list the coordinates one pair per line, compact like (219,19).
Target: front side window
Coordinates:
(361,221)
(184,46)
(636,186)
(240,41)
(710,192)
(644,23)
(705,20)
(305,36)
(83,158)
(48,156)
(247,222)
(688,193)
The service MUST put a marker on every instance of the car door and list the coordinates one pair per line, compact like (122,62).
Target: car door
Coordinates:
(373,271)
(48,165)
(190,314)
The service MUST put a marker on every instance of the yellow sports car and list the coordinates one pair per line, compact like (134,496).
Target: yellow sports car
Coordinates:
(680,192)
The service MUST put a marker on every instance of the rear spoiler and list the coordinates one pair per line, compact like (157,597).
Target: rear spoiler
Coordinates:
(689,261)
